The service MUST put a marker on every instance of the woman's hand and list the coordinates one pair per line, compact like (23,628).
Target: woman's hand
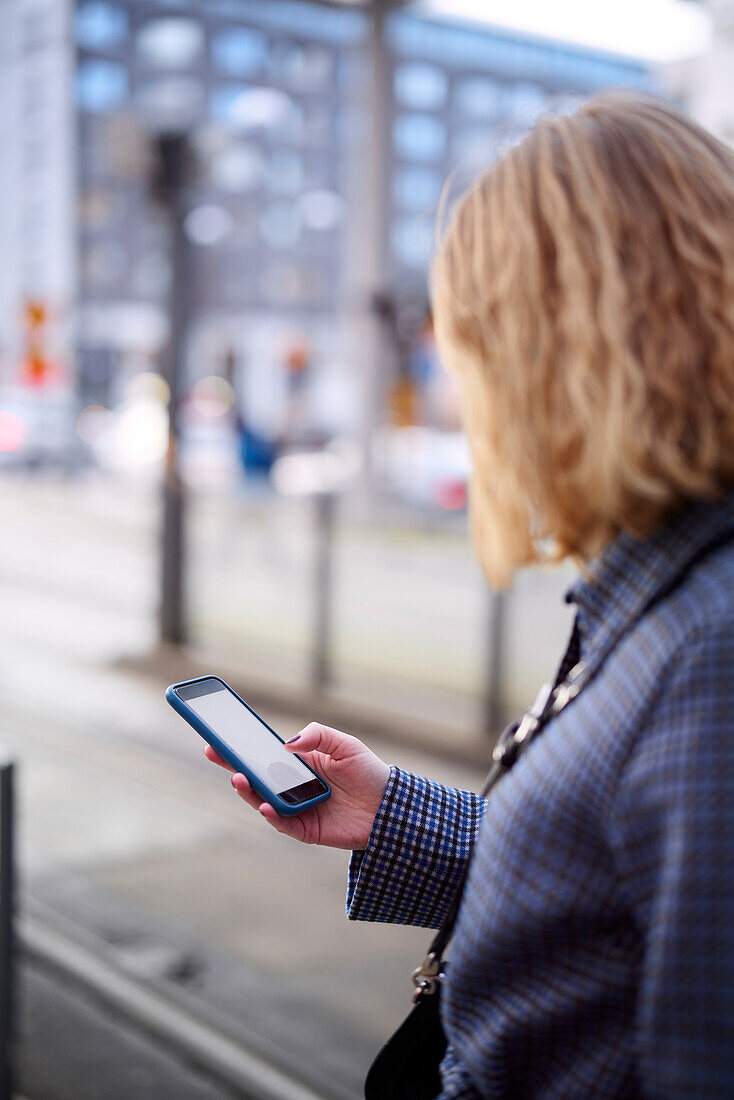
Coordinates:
(357,778)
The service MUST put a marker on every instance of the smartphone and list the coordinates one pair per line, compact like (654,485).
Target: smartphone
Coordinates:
(248,744)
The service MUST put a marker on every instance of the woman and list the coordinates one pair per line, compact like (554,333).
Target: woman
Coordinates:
(584,298)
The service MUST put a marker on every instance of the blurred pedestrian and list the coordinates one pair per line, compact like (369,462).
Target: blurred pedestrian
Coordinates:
(256,450)
(298,364)
(584,299)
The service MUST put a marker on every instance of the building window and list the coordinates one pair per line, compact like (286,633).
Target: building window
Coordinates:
(411,241)
(101,85)
(419,137)
(98,25)
(420,86)
(253,108)
(238,167)
(171,43)
(239,52)
(478,97)
(415,188)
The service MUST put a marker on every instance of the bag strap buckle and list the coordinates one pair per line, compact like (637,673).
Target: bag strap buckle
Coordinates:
(427,976)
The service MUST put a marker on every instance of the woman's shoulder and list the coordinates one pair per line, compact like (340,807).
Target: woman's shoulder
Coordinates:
(699,613)
(689,713)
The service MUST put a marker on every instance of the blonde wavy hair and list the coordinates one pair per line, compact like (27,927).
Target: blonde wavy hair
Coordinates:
(584,298)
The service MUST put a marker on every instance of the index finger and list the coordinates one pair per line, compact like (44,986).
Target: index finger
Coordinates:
(215,758)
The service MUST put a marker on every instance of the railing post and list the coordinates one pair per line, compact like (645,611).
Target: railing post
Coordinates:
(173,173)
(494,697)
(324,504)
(7,902)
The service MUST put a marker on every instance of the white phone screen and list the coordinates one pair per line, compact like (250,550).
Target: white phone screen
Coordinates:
(248,737)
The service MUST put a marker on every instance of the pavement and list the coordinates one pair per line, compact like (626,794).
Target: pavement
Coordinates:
(126,834)
(71,1047)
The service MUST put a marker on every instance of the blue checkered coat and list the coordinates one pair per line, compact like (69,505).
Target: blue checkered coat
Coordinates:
(593,956)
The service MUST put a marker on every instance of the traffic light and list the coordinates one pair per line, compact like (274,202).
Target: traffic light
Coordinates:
(37,367)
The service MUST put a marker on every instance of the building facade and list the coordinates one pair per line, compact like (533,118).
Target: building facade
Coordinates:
(705,85)
(274,97)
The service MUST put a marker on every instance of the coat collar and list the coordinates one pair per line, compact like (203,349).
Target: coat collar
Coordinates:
(630,572)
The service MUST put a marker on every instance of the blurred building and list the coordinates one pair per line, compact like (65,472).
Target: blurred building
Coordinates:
(705,84)
(275,95)
(37,179)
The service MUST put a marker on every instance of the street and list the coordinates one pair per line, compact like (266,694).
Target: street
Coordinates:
(410,604)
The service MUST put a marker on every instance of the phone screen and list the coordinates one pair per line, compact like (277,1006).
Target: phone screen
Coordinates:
(251,740)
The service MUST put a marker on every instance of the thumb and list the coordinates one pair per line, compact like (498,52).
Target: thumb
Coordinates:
(317,738)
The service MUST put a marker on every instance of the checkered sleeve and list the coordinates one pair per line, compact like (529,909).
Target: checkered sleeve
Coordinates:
(675,845)
(421,838)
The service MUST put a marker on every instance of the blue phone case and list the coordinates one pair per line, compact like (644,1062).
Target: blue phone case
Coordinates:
(232,759)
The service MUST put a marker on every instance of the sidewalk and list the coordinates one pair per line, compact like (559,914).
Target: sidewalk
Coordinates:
(73,1048)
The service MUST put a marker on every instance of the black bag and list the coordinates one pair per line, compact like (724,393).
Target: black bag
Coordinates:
(407,1067)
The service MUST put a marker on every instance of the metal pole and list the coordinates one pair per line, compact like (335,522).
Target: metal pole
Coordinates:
(173,168)
(7,904)
(494,699)
(323,574)
(368,235)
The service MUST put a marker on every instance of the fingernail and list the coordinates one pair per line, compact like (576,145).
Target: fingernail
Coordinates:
(292,739)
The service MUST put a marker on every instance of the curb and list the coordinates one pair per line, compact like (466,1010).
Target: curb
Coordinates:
(225,1059)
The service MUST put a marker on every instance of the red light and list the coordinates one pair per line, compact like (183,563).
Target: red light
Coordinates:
(38,371)
(451,495)
(13,431)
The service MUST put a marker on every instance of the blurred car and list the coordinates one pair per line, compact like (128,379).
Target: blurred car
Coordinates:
(38,428)
(427,467)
